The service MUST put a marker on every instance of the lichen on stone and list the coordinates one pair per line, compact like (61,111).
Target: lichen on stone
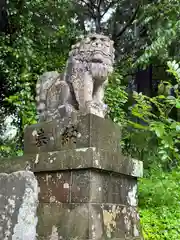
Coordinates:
(25,229)
(132,196)
(109,217)
(137,168)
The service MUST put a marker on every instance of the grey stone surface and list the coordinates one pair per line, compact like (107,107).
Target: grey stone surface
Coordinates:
(82,132)
(81,88)
(18,206)
(87,186)
(81,158)
(88,189)
(88,221)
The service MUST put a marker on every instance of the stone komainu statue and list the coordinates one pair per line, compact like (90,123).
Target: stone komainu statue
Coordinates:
(81,88)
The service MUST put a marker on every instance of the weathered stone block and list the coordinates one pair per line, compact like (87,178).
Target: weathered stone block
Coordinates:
(88,189)
(88,221)
(81,158)
(85,186)
(18,205)
(54,186)
(82,132)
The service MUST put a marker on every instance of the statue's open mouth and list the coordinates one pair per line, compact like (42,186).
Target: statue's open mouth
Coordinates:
(96,60)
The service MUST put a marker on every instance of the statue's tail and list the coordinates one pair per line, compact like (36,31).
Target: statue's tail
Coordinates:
(44,82)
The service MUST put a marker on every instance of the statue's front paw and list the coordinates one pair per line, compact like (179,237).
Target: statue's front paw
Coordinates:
(99,104)
(96,108)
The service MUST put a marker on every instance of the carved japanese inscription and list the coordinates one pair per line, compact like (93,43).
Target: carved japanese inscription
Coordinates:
(40,138)
(70,134)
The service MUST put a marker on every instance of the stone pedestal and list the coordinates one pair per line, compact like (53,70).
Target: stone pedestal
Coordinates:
(88,190)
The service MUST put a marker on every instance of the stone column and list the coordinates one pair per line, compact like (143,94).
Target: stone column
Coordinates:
(88,189)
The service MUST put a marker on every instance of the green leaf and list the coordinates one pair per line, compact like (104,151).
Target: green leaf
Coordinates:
(177,104)
(159,131)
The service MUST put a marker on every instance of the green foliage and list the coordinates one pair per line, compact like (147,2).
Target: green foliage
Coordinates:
(159,192)
(24,104)
(160,45)
(159,121)
(151,135)
(154,113)
(39,41)
(148,124)
(161,223)
(116,97)
(163,29)
(159,204)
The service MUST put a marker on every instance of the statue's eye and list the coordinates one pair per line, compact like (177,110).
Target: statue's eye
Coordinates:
(93,38)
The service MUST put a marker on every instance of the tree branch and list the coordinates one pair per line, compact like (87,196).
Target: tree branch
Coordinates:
(81,22)
(99,4)
(92,4)
(108,7)
(4,21)
(117,36)
(98,17)
(90,8)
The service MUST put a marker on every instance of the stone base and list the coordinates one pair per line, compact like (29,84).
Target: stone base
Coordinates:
(88,203)
(88,189)
(87,221)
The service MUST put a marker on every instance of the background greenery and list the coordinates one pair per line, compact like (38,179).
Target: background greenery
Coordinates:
(35,36)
